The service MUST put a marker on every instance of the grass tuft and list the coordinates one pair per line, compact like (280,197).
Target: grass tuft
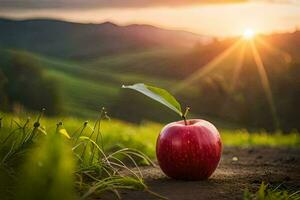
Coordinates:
(267,192)
(51,163)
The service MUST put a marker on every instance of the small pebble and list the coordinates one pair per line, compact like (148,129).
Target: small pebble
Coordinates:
(235,159)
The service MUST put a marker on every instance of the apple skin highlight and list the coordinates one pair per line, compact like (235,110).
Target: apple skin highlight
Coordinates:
(189,152)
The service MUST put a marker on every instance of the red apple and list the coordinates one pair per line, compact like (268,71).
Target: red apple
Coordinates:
(189,151)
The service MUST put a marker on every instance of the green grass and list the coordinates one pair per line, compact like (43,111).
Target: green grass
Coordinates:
(244,138)
(143,137)
(55,163)
(40,157)
(267,192)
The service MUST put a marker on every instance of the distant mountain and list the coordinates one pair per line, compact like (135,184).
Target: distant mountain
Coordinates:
(74,40)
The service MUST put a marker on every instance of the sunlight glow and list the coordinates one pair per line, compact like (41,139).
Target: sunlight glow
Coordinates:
(263,16)
(238,67)
(203,71)
(248,34)
(265,82)
(287,58)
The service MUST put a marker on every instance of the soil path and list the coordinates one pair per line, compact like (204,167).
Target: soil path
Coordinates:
(240,168)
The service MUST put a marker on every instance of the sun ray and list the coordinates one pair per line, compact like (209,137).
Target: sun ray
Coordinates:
(238,67)
(265,82)
(207,68)
(286,56)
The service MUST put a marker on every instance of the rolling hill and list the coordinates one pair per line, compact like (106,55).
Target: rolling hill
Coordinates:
(82,87)
(85,41)
(90,62)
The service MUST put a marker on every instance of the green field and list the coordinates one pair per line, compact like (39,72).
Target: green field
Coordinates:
(87,86)
(83,86)
(117,134)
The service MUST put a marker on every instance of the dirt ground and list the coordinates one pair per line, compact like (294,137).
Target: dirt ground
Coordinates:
(240,168)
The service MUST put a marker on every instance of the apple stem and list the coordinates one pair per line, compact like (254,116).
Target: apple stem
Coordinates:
(187,109)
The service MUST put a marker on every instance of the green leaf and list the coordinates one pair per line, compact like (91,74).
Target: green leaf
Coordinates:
(158,94)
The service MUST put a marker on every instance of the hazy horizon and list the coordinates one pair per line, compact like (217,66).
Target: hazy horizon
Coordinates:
(220,20)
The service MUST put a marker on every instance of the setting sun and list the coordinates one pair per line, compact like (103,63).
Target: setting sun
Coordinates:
(248,34)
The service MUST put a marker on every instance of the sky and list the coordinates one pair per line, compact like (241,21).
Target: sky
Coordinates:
(220,18)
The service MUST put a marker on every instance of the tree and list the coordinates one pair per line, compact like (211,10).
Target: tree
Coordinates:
(25,84)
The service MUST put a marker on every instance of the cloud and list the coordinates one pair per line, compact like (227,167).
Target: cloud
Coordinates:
(71,4)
